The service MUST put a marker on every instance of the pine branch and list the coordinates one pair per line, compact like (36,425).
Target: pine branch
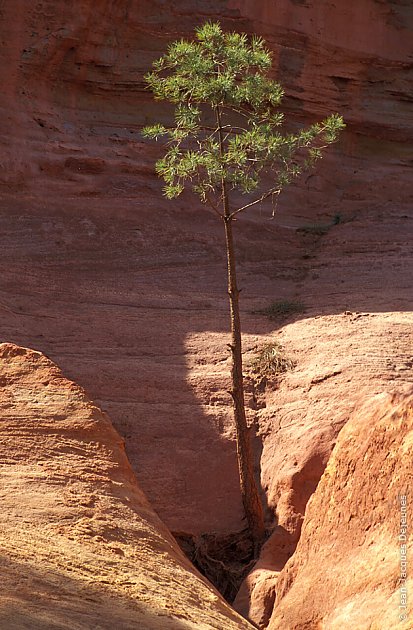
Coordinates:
(273,191)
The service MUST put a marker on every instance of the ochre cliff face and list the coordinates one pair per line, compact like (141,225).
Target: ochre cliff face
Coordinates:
(74,73)
(350,566)
(127,291)
(81,547)
(354,56)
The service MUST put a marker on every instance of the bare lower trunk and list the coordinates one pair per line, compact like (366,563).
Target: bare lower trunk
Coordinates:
(249,491)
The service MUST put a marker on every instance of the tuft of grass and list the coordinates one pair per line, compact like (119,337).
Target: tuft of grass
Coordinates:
(283,308)
(316,229)
(320,229)
(271,360)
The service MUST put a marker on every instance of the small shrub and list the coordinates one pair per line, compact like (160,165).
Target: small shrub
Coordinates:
(283,308)
(316,229)
(270,361)
(320,229)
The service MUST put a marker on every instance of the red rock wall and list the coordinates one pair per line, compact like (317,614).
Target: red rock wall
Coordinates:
(349,567)
(127,292)
(73,72)
(81,547)
(355,57)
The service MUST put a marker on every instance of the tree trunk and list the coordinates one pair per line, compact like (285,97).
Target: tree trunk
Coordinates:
(249,491)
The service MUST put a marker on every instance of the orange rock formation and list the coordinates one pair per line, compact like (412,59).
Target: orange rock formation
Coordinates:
(350,569)
(81,547)
(126,292)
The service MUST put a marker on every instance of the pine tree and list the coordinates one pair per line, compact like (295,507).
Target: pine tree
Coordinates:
(227,137)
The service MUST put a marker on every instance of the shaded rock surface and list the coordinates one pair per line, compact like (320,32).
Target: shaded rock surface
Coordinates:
(80,545)
(350,569)
(355,57)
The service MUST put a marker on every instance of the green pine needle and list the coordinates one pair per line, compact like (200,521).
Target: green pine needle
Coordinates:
(227,122)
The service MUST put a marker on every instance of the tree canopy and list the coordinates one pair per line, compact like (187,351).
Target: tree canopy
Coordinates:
(228,127)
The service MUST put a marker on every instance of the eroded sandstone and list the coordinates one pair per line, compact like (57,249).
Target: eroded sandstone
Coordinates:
(81,547)
(127,292)
(350,569)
